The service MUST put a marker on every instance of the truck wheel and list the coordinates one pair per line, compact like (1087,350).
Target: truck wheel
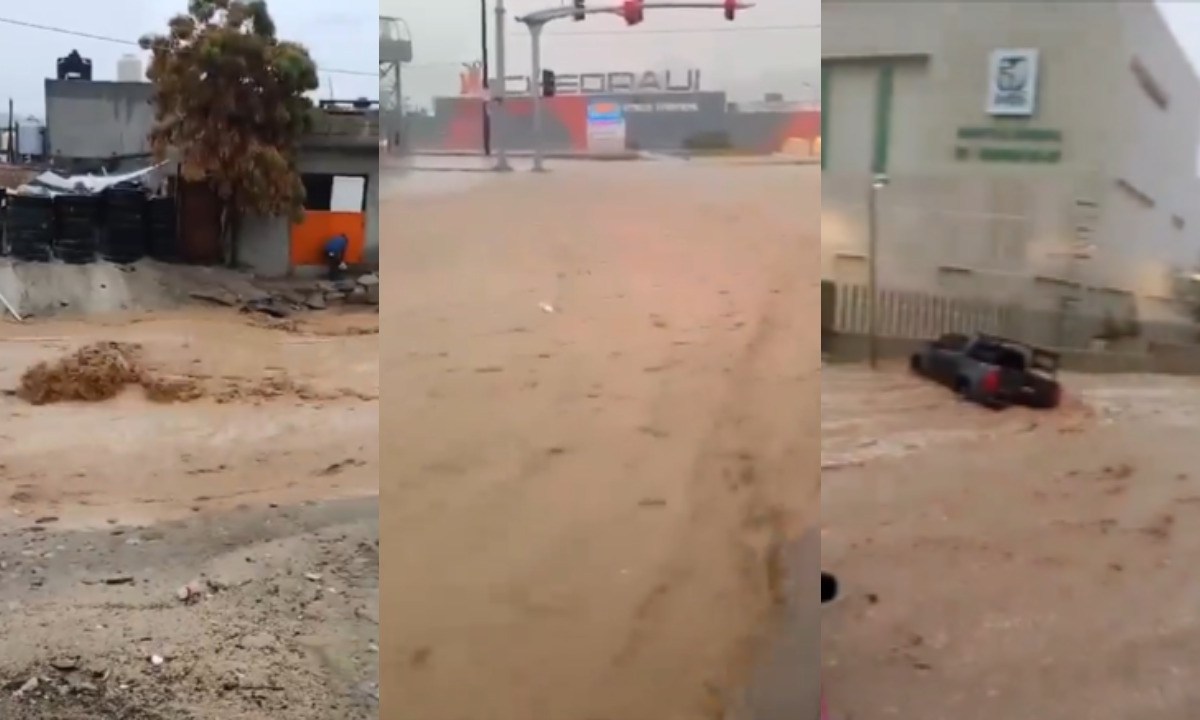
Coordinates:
(1049,396)
(962,388)
(915,365)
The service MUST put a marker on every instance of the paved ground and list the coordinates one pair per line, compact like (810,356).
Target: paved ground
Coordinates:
(606,384)
(1011,565)
(257,502)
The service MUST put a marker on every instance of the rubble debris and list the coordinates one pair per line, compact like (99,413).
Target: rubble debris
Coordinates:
(29,686)
(191,592)
(219,296)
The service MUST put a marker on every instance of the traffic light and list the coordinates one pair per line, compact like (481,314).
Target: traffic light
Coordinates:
(633,11)
(579,15)
(548,83)
(730,9)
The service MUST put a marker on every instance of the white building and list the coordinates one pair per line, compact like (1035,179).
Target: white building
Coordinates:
(1032,149)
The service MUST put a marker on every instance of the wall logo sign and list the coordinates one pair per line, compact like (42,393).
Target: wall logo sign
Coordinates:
(1012,83)
(470,80)
(612,83)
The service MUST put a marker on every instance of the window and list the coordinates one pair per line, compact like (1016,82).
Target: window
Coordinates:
(336,193)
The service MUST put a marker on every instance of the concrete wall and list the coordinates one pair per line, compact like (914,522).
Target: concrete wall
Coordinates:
(1159,360)
(96,120)
(457,124)
(1007,222)
(265,242)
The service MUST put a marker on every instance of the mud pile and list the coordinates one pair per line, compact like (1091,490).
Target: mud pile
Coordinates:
(100,371)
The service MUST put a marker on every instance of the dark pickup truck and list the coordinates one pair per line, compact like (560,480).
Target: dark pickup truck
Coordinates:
(993,371)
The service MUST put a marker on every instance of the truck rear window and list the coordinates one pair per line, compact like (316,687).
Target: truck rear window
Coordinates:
(999,355)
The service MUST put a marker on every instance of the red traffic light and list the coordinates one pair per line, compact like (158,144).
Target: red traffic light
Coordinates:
(730,9)
(633,11)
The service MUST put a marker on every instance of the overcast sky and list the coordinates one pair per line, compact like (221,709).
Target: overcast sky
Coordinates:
(774,46)
(340,36)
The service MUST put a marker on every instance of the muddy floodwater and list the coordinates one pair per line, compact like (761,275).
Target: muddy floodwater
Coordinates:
(601,386)
(1014,564)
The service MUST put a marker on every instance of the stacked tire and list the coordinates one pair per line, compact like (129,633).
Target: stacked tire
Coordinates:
(29,227)
(161,229)
(77,218)
(123,236)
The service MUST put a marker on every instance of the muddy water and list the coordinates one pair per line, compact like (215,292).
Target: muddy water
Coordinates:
(601,393)
(1032,566)
(132,461)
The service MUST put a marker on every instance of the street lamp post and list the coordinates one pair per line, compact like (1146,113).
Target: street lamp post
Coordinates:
(499,91)
(483,47)
(878,182)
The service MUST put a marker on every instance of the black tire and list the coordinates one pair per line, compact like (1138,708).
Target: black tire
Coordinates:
(1047,395)
(962,388)
(917,365)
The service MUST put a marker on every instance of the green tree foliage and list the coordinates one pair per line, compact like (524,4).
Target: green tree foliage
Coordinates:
(231,105)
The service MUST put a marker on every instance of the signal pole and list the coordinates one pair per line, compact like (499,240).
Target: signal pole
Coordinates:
(483,43)
(498,93)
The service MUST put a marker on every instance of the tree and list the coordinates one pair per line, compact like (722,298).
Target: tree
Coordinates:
(231,106)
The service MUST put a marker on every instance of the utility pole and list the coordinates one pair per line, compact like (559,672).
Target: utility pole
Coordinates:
(535,82)
(483,43)
(872,276)
(877,183)
(498,93)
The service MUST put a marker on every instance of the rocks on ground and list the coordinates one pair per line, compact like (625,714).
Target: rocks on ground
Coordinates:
(284,301)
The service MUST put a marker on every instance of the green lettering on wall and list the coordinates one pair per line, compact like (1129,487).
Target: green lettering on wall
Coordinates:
(1025,134)
(1019,155)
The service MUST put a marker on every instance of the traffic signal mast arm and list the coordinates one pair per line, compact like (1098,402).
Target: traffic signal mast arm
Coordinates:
(541,17)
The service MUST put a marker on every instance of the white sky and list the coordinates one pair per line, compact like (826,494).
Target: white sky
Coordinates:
(339,35)
(774,46)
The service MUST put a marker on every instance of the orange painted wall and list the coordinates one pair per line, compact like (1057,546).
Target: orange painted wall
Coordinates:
(310,235)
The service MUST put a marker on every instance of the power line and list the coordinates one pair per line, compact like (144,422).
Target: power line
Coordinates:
(133,43)
(678,31)
(627,33)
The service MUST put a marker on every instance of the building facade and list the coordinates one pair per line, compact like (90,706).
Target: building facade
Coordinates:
(1045,151)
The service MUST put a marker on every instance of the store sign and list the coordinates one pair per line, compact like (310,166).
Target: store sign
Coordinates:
(606,127)
(603,83)
(1012,83)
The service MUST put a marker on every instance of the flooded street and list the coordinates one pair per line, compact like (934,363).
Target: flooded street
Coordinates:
(1013,564)
(210,558)
(604,382)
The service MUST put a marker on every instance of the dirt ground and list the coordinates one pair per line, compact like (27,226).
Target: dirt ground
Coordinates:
(1015,564)
(208,560)
(605,403)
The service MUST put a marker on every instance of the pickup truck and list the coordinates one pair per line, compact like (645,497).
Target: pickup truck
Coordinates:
(993,371)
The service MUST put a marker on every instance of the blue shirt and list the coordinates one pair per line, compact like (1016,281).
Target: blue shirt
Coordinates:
(337,245)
